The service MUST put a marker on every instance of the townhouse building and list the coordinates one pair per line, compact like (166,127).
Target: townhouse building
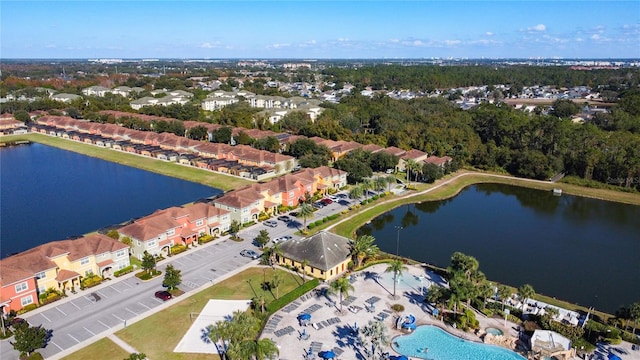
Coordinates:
(60,265)
(158,232)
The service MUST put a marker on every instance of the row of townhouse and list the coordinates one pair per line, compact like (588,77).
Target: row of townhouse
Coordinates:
(338,148)
(243,160)
(246,204)
(59,265)
(158,232)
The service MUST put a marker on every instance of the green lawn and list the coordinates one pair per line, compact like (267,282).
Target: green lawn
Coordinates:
(158,335)
(103,349)
(209,178)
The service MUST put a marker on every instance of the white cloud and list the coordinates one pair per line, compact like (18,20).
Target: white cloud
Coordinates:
(279,46)
(539,27)
(489,33)
(51,46)
(209,45)
(595,37)
(452,42)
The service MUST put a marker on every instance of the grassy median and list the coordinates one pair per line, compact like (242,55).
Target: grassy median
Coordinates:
(209,178)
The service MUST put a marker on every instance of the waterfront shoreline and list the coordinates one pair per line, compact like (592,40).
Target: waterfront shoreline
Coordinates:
(445,188)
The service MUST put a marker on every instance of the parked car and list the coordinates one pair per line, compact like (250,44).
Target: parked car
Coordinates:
(250,254)
(293,213)
(326,201)
(389,171)
(342,196)
(284,218)
(282,239)
(270,223)
(163,295)
(318,205)
(344,202)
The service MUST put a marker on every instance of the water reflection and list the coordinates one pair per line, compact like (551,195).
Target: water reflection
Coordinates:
(568,247)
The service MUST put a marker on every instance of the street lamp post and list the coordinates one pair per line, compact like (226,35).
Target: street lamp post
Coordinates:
(398,228)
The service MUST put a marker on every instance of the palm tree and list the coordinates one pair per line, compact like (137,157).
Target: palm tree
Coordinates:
(396,267)
(525,292)
(366,185)
(271,253)
(276,282)
(412,167)
(504,292)
(634,314)
(379,183)
(260,349)
(375,335)
(362,248)
(305,211)
(355,192)
(342,286)
(259,302)
(390,180)
(220,333)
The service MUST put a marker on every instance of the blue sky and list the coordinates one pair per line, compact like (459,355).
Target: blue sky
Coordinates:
(319,29)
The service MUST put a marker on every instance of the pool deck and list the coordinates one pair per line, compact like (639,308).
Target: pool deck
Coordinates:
(331,329)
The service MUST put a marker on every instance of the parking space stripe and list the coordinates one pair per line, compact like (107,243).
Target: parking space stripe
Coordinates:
(51,342)
(148,308)
(74,338)
(130,311)
(103,324)
(116,316)
(77,307)
(114,288)
(46,318)
(89,331)
(61,311)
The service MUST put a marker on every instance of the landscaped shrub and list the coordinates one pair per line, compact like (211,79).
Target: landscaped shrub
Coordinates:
(311,226)
(49,296)
(325,219)
(397,307)
(333,216)
(249,223)
(177,249)
(27,308)
(374,197)
(123,271)
(143,275)
(90,281)
(205,239)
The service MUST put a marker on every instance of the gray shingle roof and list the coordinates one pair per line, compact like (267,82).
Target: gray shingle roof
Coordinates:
(323,250)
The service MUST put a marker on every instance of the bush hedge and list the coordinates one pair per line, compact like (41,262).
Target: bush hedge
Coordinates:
(283,301)
(90,282)
(27,308)
(177,249)
(123,271)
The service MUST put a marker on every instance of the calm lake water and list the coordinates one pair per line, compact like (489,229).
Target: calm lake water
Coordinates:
(578,249)
(51,194)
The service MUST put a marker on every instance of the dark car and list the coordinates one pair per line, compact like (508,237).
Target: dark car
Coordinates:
(250,254)
(284,218)
(163,295)
(318,205)
(294,213)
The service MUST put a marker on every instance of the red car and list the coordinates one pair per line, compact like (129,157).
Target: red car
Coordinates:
(326,201)
(163,295)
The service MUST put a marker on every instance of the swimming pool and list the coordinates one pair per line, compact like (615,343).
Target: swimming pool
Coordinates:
(440,345)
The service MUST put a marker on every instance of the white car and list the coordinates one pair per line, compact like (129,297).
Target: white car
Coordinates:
(282,239)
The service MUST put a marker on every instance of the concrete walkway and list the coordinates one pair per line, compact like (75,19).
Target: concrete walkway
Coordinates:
(128,348)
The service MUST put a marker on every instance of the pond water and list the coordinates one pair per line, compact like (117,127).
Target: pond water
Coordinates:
(582,250)
(51,194)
